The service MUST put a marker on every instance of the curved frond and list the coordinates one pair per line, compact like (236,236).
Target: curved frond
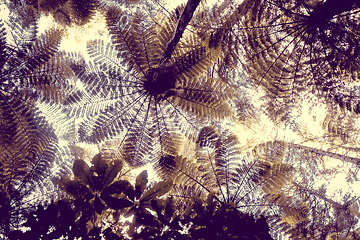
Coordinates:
(274,177)
(134,42)
(293,211)
(207,137)
(270,151)
(44,47)
(205,97)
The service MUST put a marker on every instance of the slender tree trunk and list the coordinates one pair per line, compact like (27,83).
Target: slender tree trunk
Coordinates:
(352,208)
(327,153)
(184,20)
(319,195)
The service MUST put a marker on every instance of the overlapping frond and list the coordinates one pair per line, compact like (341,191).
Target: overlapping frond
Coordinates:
(134,41)
(205,97)
(50,5)
(29,153)
(293,211)
(226,155)
(220,38)
(270,151)
(83,10)
(273,177)
(127,91)
(289,50)
(23,27)
(188,179)
(67,12)
(139,143)
(193,63)
(208,136)
(44,47)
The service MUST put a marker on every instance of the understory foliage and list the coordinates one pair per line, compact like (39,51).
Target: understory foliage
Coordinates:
(168,90)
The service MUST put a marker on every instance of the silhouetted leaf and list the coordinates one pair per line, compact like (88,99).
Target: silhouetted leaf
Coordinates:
(98,205)
(158,190)
(144,217)
(75,188)
(99,167)
(82,170)
(115,203)
(140,184)
(94,232)
(119,187)
(111,172)
(109,235)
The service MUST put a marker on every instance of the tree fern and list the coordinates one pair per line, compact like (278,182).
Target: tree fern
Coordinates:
(262,183)
(127,91)
(29,72)
(289,50)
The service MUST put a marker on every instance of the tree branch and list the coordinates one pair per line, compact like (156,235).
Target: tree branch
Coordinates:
(327,153)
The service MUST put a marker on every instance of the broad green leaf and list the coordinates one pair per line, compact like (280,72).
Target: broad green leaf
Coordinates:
(99,168)
(140,184)
(116,203)
(82,170)
(169,209)
(99,164)
(75,188)
(111,172)
(130,212)
(158,190)
(119,187)
(98,205)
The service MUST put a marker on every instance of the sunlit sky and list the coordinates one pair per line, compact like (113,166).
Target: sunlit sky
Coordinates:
(77,37)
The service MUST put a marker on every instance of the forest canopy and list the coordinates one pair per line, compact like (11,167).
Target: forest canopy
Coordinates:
(202,120)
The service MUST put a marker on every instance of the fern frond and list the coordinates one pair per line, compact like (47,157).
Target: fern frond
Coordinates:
(270,151)
(294,211)
(104,56)
(226,154)
(274,177)
(133,41)
(207,137)
(189,180)
(205,97)
(138,143)
(193,63)
(26,178)
(50,5)
(44,47)
(171,143)
(23,28)
(165,32)
(285,44)
(83,10)
(336,129)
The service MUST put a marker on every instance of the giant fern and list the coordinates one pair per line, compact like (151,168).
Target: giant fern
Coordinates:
(128,90)
(296,46)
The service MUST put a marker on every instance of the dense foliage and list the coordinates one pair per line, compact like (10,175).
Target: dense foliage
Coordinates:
(168,89)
